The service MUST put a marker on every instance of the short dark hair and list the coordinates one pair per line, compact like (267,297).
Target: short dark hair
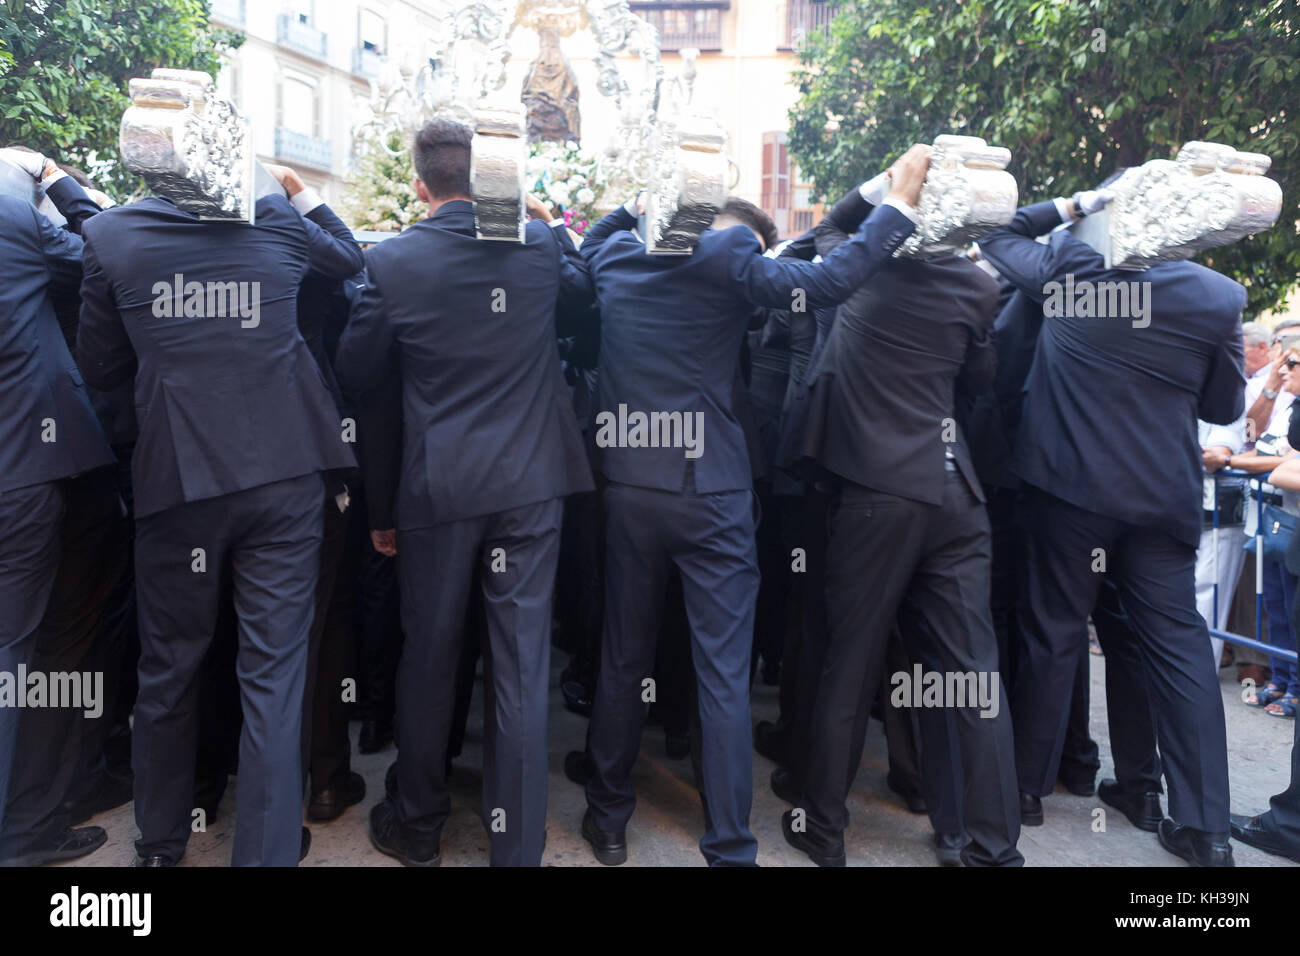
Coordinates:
(745,212)
(441,154)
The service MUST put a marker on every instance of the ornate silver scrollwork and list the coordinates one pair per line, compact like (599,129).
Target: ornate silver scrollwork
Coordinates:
(967,193)
(1164,210)
(190,144)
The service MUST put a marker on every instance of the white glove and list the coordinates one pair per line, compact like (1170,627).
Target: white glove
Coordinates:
(33,164)
(636,205)
(1093,200)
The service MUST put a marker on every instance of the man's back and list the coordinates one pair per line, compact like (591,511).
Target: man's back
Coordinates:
(488,420)
(47,429)
(671,333)
(1112,401)
(883,391)
(227,394)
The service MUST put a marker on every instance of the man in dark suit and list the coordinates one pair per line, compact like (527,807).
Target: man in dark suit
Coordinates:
(905,512)
(48,435)
(236,424)
(990,421)
(1112,401)
(670,343)
(490,450)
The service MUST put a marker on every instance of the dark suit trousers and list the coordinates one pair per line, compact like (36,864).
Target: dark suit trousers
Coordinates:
(710,539)
(1155,580)
(29,559)
(437,568)
(922,745)
(331,651)
(928,565)
(1128,702)
(270,536)
(53,742)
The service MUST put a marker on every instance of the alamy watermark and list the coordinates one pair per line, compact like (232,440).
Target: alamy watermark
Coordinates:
(208,300)
(626,429)
(922,688)
(1085,299)
(72,689)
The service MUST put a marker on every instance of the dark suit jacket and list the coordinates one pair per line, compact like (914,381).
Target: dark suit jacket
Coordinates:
(221,407)
(1110,409)
(671,332)
(488,421)
(40,386)
(990,419)
(881,396)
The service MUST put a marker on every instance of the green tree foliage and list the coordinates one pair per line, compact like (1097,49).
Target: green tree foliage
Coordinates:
(380,194)
(1074,89)
(64,67)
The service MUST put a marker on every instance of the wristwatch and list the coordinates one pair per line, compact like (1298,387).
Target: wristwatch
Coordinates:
(1270,393)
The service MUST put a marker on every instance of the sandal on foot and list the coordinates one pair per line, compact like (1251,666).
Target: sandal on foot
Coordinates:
(1282,707)
(1270,693)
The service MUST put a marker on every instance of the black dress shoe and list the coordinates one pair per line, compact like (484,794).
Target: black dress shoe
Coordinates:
(72,843)
(330,803)
(1142,809)
(305,846)
(1031,810)
(375,736)
(608,848)
(410,846)
(1251,831)
(785,786)
(577,767)
(915,802)
(1197,847)
(152,861)
(948,847)
(677,748)
(577,697)
(823,854)
(773,742)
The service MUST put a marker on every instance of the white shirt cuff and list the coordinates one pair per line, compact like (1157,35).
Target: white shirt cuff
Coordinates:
(907,209)
(1066,209)
(556,222)
(305,200)
(53,178)
(875,189)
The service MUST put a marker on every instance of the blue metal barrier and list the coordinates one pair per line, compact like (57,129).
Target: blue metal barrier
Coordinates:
(1256,480)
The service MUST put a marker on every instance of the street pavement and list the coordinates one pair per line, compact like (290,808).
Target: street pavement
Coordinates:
(668,823)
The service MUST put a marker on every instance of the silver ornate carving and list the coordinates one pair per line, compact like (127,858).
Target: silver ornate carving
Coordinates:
(189,144)
(1164,210)
(967,193)
(498,154)
(688,179)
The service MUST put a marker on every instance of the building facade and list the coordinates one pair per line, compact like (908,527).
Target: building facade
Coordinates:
(303,75)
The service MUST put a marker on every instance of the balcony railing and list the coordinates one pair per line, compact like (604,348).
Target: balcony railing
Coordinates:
(303,37)
(230,11)
(686,24)
(365,61)
(806,16)
(304,150)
